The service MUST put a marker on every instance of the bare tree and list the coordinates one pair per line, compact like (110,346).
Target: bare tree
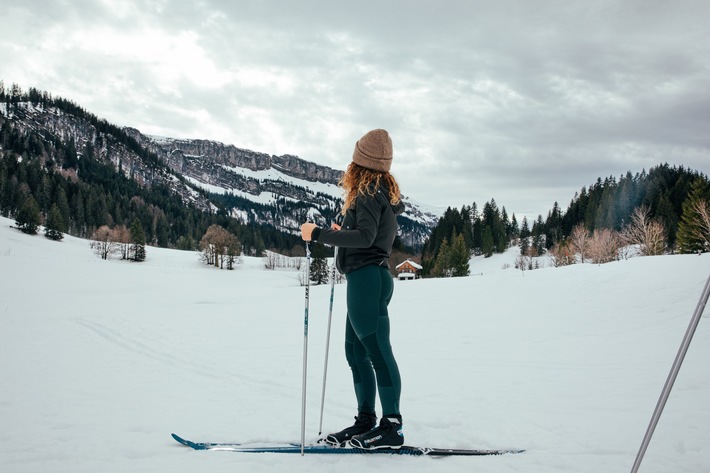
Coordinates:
(604,246)
(580,241)
(273,260)
(232,250)
(211,243)
(123,240)
(103,242)
(219,246)
(524,262)
(207,252)
(561,254)
(647,233)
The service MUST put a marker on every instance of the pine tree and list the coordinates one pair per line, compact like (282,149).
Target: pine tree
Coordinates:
(55,227)
(185,243)
(553,226)
(607,215)
(162,228)
(467,228)
(538,236)
(453,258)
(7,192)
(442,263)
(459,257)
(488,242)
(28,218)
(500,236)
(514,228)
(477,230)
(78,219)
(60,199)
(694,228)
(524,237)
(319,265)
(138,241)
(69,155)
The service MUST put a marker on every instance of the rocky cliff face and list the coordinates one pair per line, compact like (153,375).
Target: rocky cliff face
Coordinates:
(306,170)
(182,154)
(219,165)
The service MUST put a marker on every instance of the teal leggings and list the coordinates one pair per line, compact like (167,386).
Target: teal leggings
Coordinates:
(367,340)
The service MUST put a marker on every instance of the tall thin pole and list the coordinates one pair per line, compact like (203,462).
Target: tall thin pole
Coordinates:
(672,375)
(327,341)
(305,350)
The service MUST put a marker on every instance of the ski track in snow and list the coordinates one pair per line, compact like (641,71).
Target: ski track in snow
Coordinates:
(159,349)
(146,348)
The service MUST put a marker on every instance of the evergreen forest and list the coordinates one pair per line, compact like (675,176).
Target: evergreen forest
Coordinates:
(609,204)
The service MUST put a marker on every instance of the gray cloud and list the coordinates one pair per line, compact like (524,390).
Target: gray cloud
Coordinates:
(524,102)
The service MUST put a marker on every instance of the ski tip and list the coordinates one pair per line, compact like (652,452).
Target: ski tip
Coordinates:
(179,439)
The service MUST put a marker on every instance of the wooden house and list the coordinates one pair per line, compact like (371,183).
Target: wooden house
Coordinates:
(408,270)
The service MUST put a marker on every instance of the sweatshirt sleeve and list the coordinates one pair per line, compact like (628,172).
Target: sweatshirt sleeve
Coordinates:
(367,221)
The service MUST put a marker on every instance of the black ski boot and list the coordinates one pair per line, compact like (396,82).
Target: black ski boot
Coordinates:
(364,422)
(388,435)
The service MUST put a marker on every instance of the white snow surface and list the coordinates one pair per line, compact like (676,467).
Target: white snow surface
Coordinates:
(101,360)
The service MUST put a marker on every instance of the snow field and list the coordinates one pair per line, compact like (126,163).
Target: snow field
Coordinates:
(101,360)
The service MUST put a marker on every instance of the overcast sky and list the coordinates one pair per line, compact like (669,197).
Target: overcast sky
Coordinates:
(522,101)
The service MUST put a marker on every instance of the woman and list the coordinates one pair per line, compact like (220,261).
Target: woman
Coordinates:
(372,202)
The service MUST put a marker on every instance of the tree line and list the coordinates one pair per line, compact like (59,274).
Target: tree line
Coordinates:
(459,234)
(642,233)
(657,211)
(609,203)
(664,209)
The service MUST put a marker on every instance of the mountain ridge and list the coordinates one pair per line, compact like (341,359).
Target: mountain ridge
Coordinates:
(251,186)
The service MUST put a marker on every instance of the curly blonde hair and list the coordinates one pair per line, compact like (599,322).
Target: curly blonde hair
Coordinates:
(358,180)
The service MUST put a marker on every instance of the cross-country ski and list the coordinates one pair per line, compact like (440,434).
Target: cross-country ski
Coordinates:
(328,449)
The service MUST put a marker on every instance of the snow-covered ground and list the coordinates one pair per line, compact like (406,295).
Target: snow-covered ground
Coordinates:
(101,360)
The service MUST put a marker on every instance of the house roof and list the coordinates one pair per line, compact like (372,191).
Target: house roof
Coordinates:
(411,263)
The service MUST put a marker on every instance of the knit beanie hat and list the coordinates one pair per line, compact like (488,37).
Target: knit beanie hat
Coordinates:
(374,151)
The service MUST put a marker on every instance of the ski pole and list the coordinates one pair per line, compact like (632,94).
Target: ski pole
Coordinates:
(672,375)
(327,341)
(305,350)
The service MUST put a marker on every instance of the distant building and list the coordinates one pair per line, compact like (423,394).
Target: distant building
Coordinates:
(408,270)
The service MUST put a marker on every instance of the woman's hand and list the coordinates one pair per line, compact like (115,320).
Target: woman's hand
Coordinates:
(307,231)
(335,226)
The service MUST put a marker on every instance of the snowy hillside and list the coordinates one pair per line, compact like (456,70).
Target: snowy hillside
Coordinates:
(101,360)
(252,187)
